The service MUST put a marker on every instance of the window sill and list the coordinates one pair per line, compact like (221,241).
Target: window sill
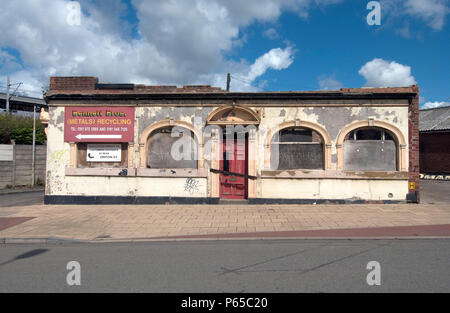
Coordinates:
(139,172)
(176,172)
(101,171)
(331,174)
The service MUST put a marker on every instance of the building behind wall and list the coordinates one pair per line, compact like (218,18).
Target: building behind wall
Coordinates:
(22,105)
(435,141)
(115,143)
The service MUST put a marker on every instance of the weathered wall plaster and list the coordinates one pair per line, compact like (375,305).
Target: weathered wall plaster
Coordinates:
(333,119)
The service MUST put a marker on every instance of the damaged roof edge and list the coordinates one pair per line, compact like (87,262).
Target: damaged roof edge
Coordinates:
(235,96)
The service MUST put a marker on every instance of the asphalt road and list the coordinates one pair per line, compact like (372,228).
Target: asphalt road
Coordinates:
(228,266)
(21,199)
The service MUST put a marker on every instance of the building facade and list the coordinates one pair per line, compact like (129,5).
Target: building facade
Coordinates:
(125,143)
(435,141)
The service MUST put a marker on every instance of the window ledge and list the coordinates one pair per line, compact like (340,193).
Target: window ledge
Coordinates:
(133,172)
(101,171)
(331,174)
(175,172)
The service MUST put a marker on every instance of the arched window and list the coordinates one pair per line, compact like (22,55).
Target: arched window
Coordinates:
(172,147)
(297,148)
(370,149)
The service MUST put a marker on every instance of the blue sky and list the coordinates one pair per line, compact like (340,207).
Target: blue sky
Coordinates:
(267,45)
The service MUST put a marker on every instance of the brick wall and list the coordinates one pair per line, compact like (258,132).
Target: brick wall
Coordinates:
(73,83)
(413,132)
(435,153)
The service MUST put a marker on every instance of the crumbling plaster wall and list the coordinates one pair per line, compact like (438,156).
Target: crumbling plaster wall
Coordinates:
(333,119)
(59,159)
(327,189)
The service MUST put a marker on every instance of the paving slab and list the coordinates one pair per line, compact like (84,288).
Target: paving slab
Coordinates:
(122,222)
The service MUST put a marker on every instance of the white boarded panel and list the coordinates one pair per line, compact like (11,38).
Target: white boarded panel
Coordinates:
(6,152)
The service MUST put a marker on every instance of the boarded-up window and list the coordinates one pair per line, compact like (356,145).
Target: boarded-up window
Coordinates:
(172,147)
(297,148)
(370,149)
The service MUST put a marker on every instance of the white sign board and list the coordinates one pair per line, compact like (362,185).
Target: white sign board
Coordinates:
(104,153)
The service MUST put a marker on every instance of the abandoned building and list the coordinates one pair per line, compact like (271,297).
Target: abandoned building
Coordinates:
(434,127)
(136,144)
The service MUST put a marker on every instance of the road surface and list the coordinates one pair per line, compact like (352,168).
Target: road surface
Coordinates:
(229,266)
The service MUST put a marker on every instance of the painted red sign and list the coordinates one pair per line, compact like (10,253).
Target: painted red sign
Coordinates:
(99,124)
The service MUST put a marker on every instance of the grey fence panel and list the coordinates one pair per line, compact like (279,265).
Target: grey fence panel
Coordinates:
(18,171)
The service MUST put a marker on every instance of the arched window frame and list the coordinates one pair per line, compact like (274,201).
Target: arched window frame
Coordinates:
(143,143)
(398,137)
(304,124)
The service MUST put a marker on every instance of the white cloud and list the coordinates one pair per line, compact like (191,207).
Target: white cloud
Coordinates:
(381,73)
(436,104)
(329,83)
(404,31)
(433,12)
(244,75)
(179,42)
(277,59)
(271,33)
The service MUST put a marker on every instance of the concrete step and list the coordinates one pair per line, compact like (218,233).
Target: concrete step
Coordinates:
(233,201)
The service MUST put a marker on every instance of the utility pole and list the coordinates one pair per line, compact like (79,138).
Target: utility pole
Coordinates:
(7,94)
(228,81)
(33,154)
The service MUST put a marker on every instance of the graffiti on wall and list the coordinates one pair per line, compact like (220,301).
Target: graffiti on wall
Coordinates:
(57,156)
(191,185)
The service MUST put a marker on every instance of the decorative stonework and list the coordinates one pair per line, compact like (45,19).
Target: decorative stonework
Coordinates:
(233,115)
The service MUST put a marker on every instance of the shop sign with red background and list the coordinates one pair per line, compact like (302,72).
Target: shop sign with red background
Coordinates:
(99,124)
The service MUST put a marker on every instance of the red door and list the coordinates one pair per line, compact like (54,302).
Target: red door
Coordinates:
(234,161)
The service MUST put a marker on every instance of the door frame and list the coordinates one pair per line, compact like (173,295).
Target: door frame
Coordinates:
(246,165)
(248,117)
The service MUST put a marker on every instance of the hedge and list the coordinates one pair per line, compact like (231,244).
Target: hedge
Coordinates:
(20,129)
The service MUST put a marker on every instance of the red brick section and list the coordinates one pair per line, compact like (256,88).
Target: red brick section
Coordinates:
(381,90)
(435,152)
(413,134)
(375,232)
(85,84)
(8,222)
(73,83)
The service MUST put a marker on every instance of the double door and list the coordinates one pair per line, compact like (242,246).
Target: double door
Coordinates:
(234,169)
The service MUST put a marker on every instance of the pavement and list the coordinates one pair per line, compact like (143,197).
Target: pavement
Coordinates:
(435,192)
(24,217)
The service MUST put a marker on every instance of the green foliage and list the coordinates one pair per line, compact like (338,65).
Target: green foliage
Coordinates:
(40,182)
(20,129)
